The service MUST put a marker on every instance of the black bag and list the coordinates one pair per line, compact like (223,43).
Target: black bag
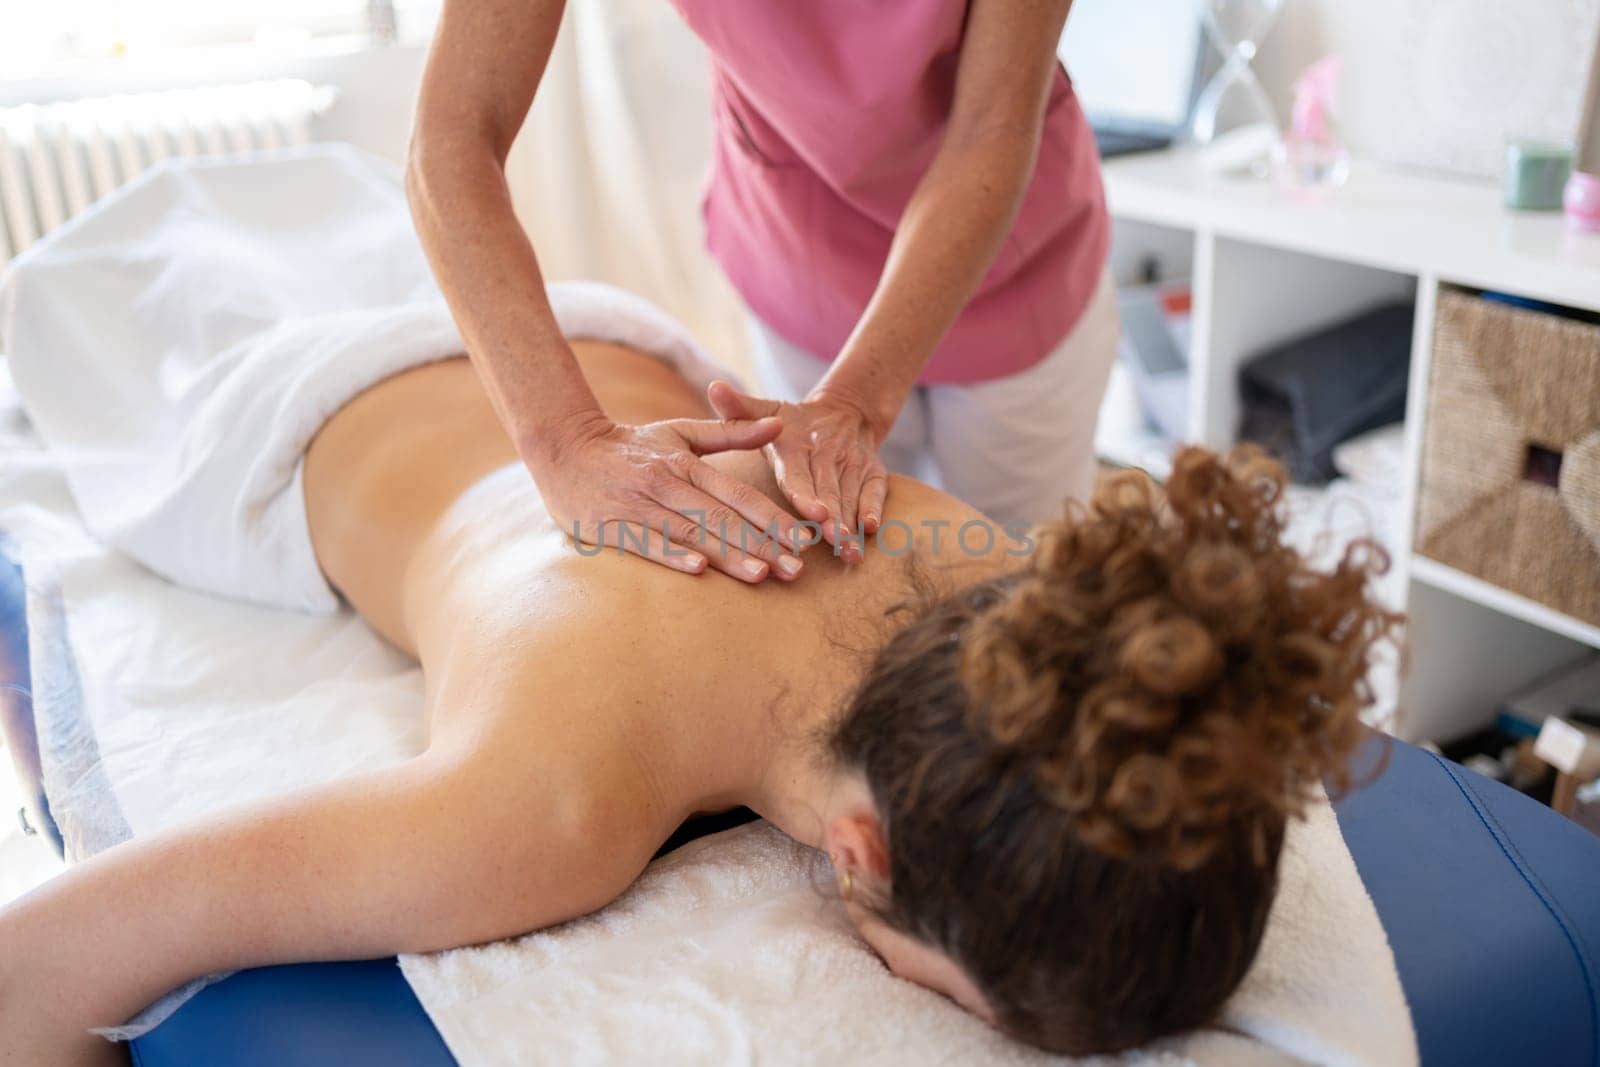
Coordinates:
(1302,398)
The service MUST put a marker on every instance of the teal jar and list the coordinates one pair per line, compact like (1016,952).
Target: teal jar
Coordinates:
(1536,174)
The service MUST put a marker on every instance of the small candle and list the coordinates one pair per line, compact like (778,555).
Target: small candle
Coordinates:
(1536,173)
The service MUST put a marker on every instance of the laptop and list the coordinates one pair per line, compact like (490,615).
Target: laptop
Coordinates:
(1137,66)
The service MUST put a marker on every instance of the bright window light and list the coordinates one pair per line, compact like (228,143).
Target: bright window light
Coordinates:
(43,38)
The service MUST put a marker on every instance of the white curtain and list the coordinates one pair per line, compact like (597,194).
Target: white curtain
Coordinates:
(608,170)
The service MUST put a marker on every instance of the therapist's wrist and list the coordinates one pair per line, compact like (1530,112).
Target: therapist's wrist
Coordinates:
(543,443)
(875,410)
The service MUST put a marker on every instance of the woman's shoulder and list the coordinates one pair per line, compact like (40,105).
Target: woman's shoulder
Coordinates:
(947,535)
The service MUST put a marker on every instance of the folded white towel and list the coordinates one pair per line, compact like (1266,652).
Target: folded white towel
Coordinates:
(179,345)
(730,951)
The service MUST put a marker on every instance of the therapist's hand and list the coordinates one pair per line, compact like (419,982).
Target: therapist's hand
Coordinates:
(825,459)
(645,490)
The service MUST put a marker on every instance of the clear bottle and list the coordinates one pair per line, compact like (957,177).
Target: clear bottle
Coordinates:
(1311,154)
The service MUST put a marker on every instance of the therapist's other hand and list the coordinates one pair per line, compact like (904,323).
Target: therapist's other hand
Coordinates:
(825,459)
(645,489)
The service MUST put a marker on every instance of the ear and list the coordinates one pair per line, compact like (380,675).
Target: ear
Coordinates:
(856,844)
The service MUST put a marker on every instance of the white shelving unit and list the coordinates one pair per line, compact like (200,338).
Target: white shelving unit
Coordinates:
(1266,264)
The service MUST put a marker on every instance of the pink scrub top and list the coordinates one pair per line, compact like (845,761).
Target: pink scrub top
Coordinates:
(828,112)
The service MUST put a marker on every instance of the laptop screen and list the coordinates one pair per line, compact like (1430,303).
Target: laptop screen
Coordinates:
(1133,61)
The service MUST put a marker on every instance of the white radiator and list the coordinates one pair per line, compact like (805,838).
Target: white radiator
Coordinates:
(57,159)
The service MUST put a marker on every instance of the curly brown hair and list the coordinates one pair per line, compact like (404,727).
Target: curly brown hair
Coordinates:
(1084,770)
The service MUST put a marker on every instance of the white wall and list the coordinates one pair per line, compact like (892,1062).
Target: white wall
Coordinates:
(1441,83)
(377,86)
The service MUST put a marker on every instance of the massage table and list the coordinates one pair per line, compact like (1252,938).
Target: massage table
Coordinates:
(1491,903)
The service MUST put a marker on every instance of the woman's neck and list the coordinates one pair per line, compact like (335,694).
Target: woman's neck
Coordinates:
(771,756)
(802,788)
(761,739)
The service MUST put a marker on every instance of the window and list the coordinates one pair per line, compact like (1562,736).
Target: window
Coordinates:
(42,38)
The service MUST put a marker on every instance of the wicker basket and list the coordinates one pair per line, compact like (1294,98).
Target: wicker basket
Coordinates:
(1511,460)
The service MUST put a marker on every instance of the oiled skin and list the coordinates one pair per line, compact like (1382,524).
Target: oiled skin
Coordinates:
(580,708)
(440,525)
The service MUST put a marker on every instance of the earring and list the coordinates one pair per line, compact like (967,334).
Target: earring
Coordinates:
(849,879)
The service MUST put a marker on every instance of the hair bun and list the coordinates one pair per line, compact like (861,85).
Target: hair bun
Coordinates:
(1171,673)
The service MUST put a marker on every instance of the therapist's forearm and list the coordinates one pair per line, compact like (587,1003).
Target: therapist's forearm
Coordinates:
(487,269)
(952,229)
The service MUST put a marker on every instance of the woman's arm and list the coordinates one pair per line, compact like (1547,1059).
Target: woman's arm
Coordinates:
(485,64)
(431,854)
(952,229)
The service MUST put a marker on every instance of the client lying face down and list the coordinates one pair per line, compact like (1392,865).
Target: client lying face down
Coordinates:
(1053,787)
(1083,771)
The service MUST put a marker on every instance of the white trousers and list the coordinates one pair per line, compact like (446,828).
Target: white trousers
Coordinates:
(1016,447)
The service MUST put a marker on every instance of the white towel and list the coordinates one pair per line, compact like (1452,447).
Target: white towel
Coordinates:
(180,344)
(728,951)
(157,703)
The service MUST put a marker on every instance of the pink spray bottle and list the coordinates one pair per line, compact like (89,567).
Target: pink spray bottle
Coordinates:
(1312,156)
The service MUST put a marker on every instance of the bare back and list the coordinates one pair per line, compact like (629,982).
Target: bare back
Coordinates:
(424,519)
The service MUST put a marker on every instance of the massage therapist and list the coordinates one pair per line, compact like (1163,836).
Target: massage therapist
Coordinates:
(907,196)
